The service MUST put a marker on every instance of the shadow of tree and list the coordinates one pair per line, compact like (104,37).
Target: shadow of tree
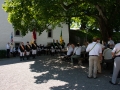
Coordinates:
(58,75)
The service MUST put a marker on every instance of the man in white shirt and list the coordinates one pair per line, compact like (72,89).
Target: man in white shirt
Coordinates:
(111,43)
(95,52)
(70,49)
(99,61)
(116,70)
(76,53)
(8,49)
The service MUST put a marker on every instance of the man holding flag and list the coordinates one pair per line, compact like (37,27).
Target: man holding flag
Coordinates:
(62,43)
(61,37)
(34,44)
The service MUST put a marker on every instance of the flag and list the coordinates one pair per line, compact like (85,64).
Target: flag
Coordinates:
(34,34)
(11,37)
(61,37)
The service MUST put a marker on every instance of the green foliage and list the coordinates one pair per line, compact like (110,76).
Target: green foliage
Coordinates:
(2,53)
(116,37)
(26,15)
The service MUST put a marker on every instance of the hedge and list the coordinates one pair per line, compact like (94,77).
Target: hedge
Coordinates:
(2,53)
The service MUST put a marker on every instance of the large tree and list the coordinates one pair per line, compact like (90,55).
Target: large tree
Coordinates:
(99,14)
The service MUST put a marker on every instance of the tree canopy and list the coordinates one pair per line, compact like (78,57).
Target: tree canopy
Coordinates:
(26,15)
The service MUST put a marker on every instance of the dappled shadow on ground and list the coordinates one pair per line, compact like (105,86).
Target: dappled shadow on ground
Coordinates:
(59,75)
(14,60)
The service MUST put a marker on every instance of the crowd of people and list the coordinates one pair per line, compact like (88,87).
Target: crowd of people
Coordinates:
(96,52)
(33,49)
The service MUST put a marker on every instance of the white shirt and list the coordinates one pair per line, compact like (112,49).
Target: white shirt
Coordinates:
(107,53)
(11,48)
(70,50)
(77,50)
(96,50)
(52,49)
(116,49)
(8,46)
(102,46)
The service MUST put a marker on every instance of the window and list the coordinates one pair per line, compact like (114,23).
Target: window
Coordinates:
(17,33)
(17,44)
(49,33)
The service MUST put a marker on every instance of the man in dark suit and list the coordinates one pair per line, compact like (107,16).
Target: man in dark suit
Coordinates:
(34,49)
(28,48)
(22,51)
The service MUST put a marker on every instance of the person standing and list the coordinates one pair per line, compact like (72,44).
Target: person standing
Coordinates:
(99,61)
(22,51)
(8,49)
(28,48)
(34,49)
(95,52)
(11,49)
(57,46)
(116,70)
(53,44)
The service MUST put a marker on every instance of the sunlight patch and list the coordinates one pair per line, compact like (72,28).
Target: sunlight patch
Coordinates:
(76,84)
(56,83)
(55,75)
(51,83)
(41,73)
(82,67)
(55,67)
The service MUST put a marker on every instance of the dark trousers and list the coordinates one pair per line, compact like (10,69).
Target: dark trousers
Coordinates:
(8,53)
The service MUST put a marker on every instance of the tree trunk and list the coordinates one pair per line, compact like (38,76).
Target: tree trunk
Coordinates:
(68,22)
(105,29)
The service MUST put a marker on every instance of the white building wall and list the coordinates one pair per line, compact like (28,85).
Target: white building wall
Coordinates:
(6,29)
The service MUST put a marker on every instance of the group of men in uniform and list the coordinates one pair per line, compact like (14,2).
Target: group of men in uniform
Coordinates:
(26,50)
(34,49)
(56,47)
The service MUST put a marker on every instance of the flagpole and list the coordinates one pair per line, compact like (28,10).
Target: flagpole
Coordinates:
(11,37)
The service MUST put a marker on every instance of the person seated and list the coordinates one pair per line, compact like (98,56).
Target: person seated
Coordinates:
(48,47)
(107,56)
(39,50)
(76,53)
(42,49)
(69,51)
(57,47)
(83,50)
(52,51)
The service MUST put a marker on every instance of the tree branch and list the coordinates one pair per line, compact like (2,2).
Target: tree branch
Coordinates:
(66,7)
(101,12)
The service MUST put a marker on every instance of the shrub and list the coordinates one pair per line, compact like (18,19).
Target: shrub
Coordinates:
(2,53)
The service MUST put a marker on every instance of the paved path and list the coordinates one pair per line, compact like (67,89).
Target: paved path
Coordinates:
(49,73)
